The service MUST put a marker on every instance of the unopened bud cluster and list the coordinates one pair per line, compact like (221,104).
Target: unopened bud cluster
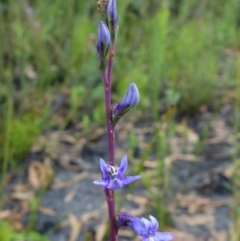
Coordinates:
(112,176)
(107,33)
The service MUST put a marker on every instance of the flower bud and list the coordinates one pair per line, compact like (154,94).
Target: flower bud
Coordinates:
(130,100)
(147,229)
(112,18)
(103,45)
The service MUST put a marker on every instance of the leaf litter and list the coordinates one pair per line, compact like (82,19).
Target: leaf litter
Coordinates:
(71,208)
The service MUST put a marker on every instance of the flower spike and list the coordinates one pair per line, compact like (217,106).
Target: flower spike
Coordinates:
(143,227)
(130,100)
(112,18)
(103,45)
(112,177)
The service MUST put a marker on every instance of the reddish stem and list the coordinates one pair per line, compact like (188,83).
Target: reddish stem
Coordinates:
(111,146)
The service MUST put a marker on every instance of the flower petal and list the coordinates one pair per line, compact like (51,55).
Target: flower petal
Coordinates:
(112,18)
(149,239)
(130,100)
(115,184)
(101,182)
(154,223)
(103,45)
(137,225)
(127,180)
(104,168)
(111,11)
(134,94)
(146,223)
(123,166)
(164,236)
(141,227)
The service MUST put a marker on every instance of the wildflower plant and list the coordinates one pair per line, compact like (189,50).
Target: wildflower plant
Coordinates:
(112,176)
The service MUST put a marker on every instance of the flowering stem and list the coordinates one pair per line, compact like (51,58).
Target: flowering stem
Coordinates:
(107,79)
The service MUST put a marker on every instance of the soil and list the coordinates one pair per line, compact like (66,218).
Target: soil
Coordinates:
(62,165)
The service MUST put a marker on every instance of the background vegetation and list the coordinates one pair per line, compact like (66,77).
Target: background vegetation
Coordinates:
(181,53)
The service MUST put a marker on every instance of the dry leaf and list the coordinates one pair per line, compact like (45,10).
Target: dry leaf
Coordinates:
(228,172)
(128,233)
(151,164)
(75,226)
(71,182)
(221,235)
(46,211)
(69,197)
(71,163)
(86,216)
(40,174)
(30,72)
(100,231)
(34,172)
(140,200)
(5,214)
(195,203)
(183,236)
(68,138)
(199,219)
(18,226)
(184,140)
(22,195)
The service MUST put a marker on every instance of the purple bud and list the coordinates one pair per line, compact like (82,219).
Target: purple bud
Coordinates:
(103,45)
(130,100)
(112,18)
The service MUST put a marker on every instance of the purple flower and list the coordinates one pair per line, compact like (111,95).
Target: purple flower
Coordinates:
(103,45)
(143,227)
(112,177)
(130,100)
(112,18)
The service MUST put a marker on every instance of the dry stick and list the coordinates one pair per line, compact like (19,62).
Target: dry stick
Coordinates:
(111,145)
(236,178)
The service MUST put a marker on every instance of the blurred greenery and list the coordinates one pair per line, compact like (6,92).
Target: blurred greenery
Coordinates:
(8,234)
(173,50)
(178,52)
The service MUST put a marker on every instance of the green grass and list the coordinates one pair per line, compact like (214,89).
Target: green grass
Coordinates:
(171,56)
(8,234)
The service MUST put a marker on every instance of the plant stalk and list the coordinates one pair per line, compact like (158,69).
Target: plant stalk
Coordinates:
(107,79)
